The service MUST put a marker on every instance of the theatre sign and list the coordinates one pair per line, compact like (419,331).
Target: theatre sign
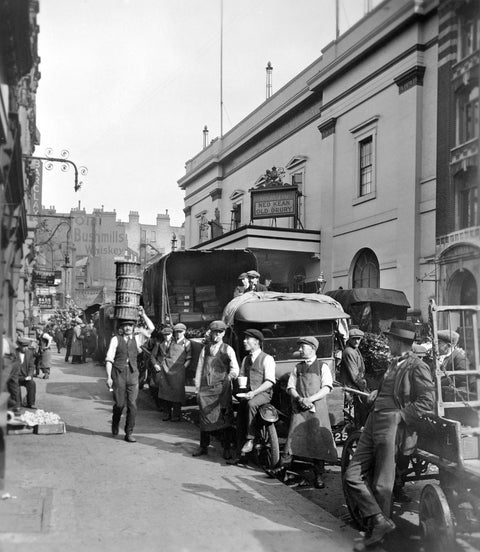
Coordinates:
(274,202)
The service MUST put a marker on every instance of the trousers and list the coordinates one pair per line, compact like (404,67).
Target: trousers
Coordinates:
(31,388)
(370,476)
(125,394)
(226,436)
(247,412)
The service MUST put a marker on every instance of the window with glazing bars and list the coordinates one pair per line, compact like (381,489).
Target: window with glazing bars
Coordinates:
(366,166)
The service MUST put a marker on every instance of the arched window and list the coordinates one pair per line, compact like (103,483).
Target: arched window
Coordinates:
(366,270)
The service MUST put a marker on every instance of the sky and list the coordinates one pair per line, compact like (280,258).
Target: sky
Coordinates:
(127,87)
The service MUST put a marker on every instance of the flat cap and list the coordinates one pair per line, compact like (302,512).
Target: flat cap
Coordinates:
(448,336)
(23,341)
(312,341)
(243,275)
(355,332)
(127,323)
(218,325)
(419,350)
(253,274)
(179,327)
(257,334)
(167,330)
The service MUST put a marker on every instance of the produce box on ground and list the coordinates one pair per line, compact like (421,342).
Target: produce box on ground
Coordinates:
(44,423)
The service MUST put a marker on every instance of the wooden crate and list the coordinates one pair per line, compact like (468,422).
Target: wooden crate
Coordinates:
(49,429)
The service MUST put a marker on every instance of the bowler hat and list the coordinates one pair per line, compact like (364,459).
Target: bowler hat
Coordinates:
(218,325)
(402,329)
(355,332)
(127,323)
(179,327)
(243,275)
(253,274)
(448,336)
(312,341)
(167,330)
(257,334)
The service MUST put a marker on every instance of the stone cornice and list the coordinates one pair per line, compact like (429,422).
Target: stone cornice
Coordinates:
(410,78)
(328,127)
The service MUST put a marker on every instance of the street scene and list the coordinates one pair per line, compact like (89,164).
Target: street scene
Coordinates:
(239,273)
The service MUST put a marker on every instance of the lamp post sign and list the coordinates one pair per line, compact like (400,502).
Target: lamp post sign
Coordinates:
(274,202)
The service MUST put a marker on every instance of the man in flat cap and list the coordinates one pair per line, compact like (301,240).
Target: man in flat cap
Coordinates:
(217,367)
(122,374)
(405,394)
(243,286)
(454,388)
(174,355)
(352,374)
(26,362)
(310,434)
(259,369)
(253,277)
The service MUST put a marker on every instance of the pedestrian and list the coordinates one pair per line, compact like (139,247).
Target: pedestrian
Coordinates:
(405,394)
(58,337)
(452,358)
(244,285)
(122,376)
(10,372)
(68,337)
(217,367)
(259,369)
(310,434)
(26,364)
(174,356)
(77,341)
(352,374)
(255,285)
(45,352)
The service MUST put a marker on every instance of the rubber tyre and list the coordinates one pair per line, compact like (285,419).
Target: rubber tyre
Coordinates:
(269,451)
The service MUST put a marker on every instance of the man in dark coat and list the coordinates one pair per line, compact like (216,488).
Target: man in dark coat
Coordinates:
(255,285)
(405,394)
(26,363)
(454,388)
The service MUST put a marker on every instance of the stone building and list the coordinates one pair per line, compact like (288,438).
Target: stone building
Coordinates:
(350,148)
(458,183)
(19,76)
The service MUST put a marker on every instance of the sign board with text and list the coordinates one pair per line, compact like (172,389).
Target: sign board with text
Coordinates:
(43,278)
(274,202)
(45,301)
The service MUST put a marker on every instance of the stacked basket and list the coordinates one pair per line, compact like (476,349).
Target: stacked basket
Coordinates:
(128,290)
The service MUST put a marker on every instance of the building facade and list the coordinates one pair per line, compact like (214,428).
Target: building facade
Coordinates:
(353,137)
(80,250)
(458,183)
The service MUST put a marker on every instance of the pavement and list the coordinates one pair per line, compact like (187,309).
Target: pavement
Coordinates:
(85,489)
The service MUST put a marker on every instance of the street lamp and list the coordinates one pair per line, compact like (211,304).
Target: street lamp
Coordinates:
(174,241)
(321,283)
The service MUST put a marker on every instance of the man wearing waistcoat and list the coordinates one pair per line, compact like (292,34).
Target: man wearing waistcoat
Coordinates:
(26,363)
(122,375)
(405,394)
(259,369)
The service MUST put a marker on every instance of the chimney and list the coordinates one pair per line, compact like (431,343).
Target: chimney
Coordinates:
(205,136)
(269,70)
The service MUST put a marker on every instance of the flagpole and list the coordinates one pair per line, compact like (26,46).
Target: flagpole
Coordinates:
(221,68)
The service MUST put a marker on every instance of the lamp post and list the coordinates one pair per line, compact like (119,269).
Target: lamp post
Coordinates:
(321,283)
(174,241)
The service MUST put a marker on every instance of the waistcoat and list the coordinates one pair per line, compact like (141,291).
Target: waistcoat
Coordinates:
(255,371)
(125,356)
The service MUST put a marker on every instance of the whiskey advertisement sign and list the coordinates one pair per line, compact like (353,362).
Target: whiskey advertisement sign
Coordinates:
(274,202)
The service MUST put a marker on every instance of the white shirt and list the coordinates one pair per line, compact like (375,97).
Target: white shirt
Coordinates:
(327,380)
(269,366)
(112,349)
(214,347)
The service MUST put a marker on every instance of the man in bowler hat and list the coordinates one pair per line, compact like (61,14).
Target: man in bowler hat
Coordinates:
(405,394)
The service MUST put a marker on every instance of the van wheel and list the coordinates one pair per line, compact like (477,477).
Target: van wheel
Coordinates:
(268,450)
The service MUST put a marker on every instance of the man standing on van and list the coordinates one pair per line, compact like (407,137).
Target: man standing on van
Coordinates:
(259,369)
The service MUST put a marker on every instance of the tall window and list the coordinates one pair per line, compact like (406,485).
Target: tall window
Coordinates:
(469,32)
(467,198)
(297,179)
(366,166)
(366,270)
(236,220)
(468,115)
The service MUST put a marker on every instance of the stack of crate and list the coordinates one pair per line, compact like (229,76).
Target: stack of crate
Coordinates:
(181,300)
(206,299)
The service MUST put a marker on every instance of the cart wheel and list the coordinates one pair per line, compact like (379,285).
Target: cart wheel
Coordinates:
(436,523)
(348,451)
(268,451)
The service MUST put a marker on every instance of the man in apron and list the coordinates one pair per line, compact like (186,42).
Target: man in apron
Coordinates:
(175,357)
(310,435)
(217,367)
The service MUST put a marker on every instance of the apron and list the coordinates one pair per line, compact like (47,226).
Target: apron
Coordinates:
(171,378)
(310,435)
(77,345)
(215,392)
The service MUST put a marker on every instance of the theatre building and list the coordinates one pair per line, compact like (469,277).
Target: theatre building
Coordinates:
(335,172)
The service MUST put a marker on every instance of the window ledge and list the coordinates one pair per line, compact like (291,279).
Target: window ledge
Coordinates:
(363,199)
